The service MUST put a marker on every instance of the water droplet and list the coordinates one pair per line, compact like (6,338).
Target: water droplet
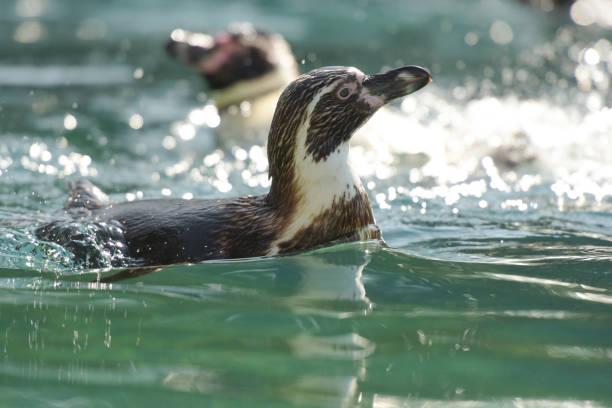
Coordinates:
(70,122)
(471,39)
(169,143)
(136,121)
(28,32)
(591,56)
(501,32)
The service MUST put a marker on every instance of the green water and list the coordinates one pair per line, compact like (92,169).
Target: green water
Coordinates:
(494,288)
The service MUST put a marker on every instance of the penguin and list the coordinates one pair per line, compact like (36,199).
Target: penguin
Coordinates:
(246,69)
(316,198)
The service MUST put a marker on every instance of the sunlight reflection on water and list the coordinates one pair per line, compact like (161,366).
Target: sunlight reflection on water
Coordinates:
(492,186)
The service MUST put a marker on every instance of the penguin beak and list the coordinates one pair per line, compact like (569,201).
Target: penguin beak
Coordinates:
(189,48)
(380,89)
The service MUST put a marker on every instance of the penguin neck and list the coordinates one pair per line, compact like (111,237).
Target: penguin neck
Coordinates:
(320,202)
(320,183)
(302,182)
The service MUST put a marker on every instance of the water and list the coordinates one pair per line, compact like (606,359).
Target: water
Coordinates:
(494,288)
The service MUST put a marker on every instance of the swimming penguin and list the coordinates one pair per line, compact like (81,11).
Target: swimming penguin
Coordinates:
(246,69)
(316,198)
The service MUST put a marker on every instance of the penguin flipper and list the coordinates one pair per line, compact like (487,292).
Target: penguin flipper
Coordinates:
(83,194)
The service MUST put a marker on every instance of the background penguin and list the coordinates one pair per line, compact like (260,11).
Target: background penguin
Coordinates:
(246,70)
(315,199)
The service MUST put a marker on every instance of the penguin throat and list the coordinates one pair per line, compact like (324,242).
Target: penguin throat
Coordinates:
(328,202)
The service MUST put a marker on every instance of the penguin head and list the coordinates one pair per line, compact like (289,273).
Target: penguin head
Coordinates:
(237,56)
(318,113)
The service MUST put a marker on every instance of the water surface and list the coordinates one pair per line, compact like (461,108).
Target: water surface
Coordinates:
(494,288)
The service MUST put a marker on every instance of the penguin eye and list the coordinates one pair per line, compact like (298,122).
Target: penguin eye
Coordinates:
(344,93)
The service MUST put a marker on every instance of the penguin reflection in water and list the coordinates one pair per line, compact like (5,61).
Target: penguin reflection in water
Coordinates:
(311,288)
(246,70)
(316,198)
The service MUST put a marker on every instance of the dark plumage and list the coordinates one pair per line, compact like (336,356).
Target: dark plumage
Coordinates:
(314,119)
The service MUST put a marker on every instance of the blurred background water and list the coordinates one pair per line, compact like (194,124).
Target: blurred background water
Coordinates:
(495,288)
